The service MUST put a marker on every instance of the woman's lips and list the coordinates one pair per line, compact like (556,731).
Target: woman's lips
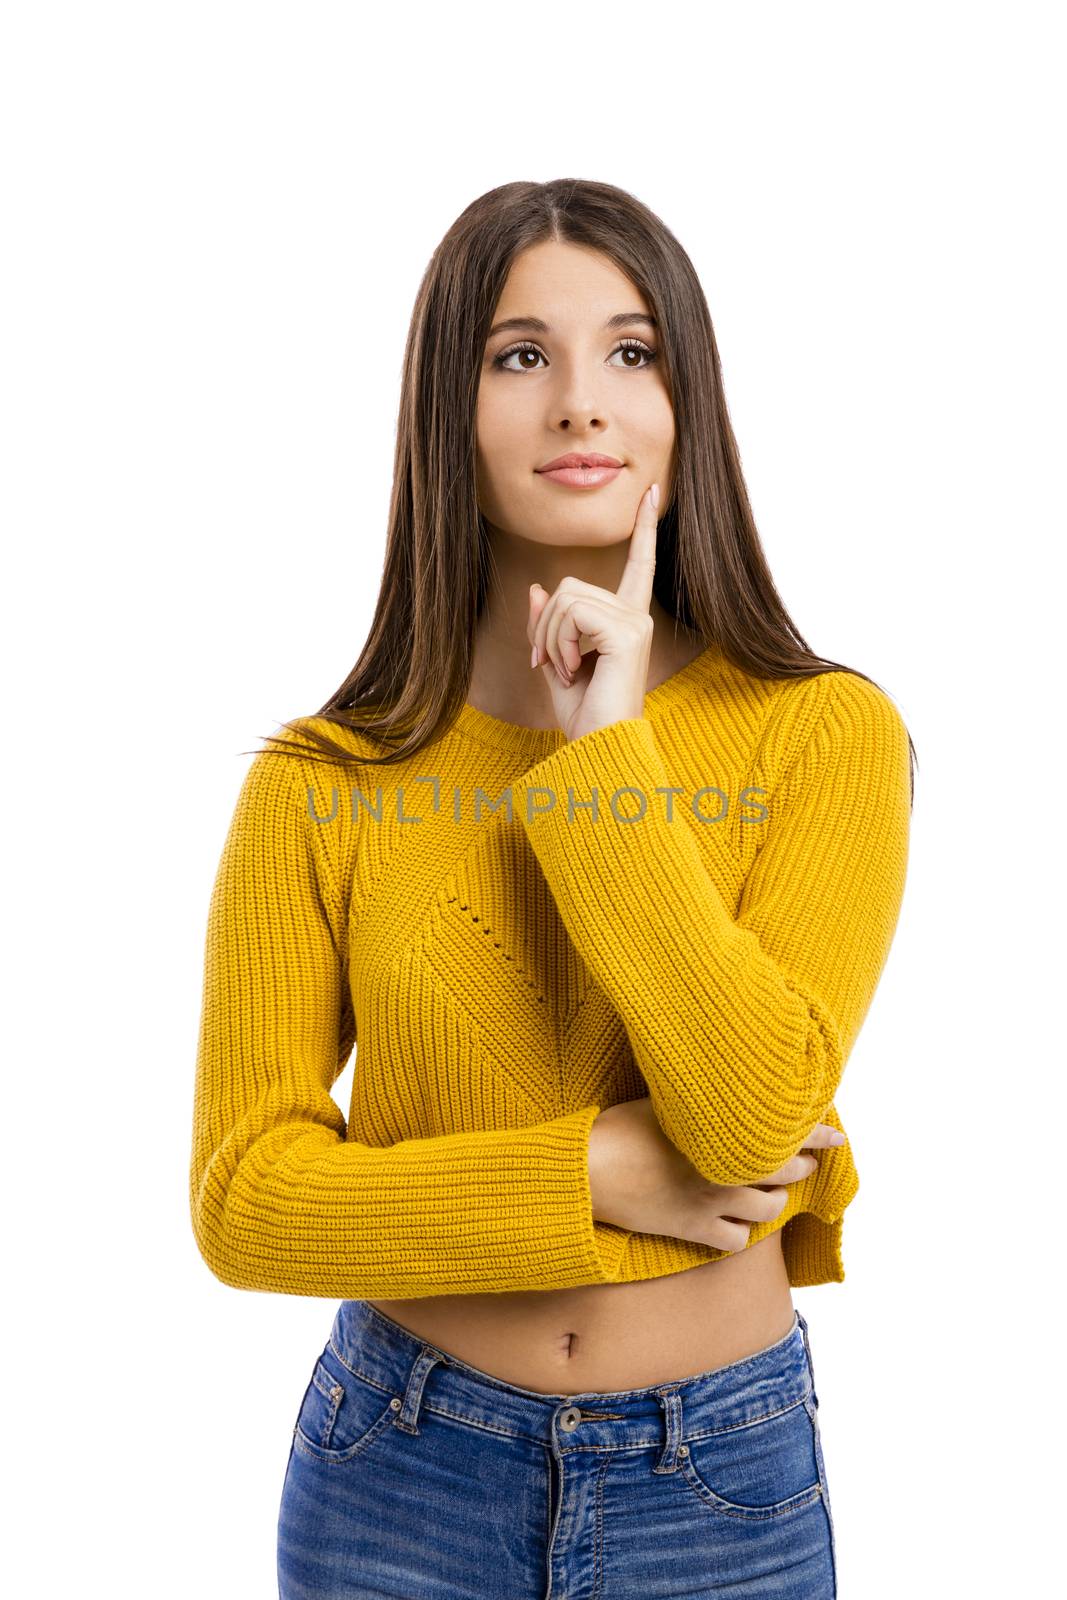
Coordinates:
(582,477)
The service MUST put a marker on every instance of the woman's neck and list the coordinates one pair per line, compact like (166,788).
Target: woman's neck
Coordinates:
(504,685)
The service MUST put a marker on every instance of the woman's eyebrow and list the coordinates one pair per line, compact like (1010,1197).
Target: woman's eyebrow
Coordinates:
(622,319)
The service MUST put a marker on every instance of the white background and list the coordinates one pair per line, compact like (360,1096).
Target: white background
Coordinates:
(216,217)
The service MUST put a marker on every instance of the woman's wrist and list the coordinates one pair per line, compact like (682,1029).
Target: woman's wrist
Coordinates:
(603,1158)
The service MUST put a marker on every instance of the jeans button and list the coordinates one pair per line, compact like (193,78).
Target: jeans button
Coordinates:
(570,1418)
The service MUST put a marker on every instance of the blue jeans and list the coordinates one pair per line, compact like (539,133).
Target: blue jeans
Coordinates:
(415,1476)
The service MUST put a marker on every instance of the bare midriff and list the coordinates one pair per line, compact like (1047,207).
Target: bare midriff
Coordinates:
(613,1336)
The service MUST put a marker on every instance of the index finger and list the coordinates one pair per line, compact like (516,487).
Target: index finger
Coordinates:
(635,585)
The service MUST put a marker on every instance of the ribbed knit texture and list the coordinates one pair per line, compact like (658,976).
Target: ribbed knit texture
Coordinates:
(508,976)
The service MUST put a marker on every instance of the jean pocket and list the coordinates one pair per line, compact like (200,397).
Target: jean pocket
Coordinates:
(758,1470)
(341,1414)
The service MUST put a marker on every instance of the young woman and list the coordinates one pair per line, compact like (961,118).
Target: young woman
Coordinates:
(601,864)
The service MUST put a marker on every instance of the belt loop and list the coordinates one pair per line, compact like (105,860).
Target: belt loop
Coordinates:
(672,1411)
(408,1410)
(802,1324)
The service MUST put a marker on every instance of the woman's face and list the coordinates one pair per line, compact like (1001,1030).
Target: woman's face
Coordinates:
(576,384)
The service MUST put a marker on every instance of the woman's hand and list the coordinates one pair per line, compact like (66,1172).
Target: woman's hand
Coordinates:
(641,1181)
(585,695)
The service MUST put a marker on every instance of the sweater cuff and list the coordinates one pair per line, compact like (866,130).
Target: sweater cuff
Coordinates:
(597,1247)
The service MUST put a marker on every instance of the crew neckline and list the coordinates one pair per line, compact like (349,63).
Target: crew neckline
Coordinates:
(516,737)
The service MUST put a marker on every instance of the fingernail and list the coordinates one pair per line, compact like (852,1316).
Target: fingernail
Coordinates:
(837,1138)
(655,496)
(533,656)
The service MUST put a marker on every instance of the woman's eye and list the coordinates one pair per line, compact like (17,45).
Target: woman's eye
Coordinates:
(628,347)
(635,347)
(517,350)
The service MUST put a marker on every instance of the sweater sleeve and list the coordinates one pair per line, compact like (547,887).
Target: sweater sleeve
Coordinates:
(741,1025)
(281,1200)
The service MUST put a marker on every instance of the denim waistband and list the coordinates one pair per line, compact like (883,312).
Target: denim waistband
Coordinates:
(419,1374)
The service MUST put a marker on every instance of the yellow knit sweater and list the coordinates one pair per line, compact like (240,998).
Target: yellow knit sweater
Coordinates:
(711,937)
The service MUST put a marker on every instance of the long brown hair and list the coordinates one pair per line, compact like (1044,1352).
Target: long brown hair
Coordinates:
(413,673)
